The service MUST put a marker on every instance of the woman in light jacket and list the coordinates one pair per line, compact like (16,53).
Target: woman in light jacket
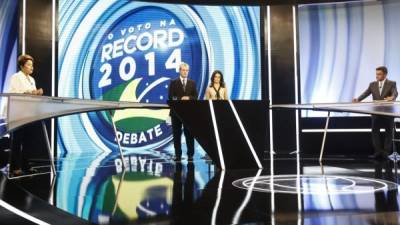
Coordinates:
(22,83)
(217,89)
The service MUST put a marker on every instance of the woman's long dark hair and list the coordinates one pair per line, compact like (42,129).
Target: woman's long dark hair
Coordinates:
(222,83)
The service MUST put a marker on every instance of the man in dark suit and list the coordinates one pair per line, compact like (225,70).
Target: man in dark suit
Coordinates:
(385,90)
(182,88)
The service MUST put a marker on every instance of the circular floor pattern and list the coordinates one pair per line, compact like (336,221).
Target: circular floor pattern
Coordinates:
(314,184)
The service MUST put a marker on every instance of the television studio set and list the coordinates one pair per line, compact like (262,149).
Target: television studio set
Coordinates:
(199,112)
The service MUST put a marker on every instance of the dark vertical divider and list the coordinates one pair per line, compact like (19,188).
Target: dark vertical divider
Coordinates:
(283,77)
(38,44)
(264,71)
(38,40)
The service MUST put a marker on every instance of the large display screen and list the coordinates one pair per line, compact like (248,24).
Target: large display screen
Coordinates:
(342,44)
(124,50)
(130,51)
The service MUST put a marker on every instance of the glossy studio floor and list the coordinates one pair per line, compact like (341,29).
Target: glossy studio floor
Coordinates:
(156,190)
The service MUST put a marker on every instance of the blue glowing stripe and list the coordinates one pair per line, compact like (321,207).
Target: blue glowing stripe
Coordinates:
(8,41)
(3,127)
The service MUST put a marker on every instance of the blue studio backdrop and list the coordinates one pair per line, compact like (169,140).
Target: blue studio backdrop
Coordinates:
(130,51)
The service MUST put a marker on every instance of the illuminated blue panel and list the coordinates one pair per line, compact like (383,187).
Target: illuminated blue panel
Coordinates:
(8,41)
(342,44)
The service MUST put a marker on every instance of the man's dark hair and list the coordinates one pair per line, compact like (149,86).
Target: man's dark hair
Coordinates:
(383,69)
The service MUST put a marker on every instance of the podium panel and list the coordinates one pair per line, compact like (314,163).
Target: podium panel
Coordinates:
(233,133)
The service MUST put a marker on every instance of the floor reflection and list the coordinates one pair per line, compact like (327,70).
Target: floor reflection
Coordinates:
(150,188)
(183,192)
(154,190)
(388,201)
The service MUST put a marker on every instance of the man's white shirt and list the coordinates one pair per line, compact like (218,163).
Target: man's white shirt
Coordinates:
(183,80)
(381,83)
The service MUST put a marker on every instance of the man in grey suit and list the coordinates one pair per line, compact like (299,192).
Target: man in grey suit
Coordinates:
(385,90)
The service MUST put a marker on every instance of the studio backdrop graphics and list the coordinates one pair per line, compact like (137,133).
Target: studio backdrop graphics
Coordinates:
(8,42)
(129,51)
(342,44)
